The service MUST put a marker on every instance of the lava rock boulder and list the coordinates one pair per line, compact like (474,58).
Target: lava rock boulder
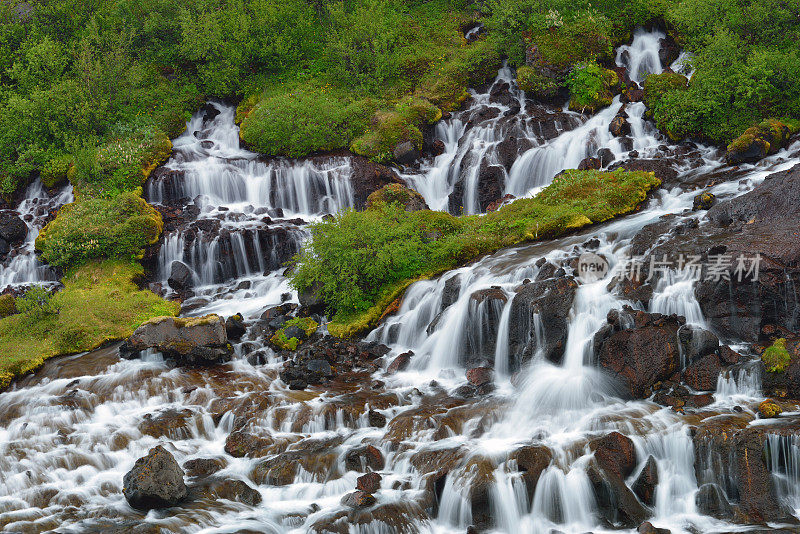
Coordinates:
(156,481)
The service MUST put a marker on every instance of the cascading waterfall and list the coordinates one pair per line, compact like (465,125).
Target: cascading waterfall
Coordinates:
(24,268)
(69,433)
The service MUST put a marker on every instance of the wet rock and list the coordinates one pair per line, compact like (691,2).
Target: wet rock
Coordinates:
(376,419)
(702,375)
(405,153)
(590,164)
(648,528)
(532,460)
(606,157)
(367,177)
(711,500)
(615,454)
(400,363)
(633,94)
(197,340)
(170,423)
(548,301)
(234,327)
(734,455)
(479,376)
(358,499)
(156,481)
(203,467)
(226,488)
(697,342)
(317,456)
(451,291)
(620,127)
(310,301)
(668,51)
(438,147)
(363,458)
(639,348)
(616,503)
(13,230)
(241,444)
(369,483)
(704,201)
(645,484)
(209,111)
(490,186)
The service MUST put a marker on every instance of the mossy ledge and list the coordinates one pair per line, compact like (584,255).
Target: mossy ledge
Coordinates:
(99,303)
(361,262)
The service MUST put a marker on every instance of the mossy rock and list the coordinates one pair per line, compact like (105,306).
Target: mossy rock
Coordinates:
(759,141)
(8,305)
(396,194)
(658,85)
(776,358)
(769,409)
(306,325)
(536,84)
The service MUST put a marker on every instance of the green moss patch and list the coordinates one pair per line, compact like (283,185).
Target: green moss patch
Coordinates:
(8,305)
(536,84)
(591,87)
(99,303)
(361,261)
(306,324)
(100,228)
(776,358)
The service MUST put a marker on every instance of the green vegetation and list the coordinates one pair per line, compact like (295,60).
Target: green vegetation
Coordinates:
(362,261)
(36,304)
(591,86)
(8,305)
(100,228)
(282,341)
(776,358)
(536,84)
(99,303)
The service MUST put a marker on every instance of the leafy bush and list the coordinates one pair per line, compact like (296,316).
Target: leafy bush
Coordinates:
(590,86)
(776,358)
(8,305)
(100,228)
(36,304)
(361,259)
(54,171)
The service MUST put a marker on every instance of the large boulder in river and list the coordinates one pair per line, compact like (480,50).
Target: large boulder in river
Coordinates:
(409,199)
(548,301)
(181,276)
(757,142)
(156,481)
(193,340)
(367,177)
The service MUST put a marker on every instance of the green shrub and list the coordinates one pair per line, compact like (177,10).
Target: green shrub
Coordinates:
(362,259)
(100,228)
(54,172)
(776,358)
(37,304)
(591,86)
(8,305)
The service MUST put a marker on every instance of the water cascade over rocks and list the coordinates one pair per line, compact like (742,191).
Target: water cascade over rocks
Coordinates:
(512,395)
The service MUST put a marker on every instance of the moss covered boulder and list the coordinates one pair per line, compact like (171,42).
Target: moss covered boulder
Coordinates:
(8,305)
(758,142)
(293,332)
(409,199)
(195,340)
(536,84)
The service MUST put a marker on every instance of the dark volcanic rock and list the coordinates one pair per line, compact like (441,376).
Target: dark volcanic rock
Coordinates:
(199,340)
(13,230)
(645,484)
(181,276)
(358,499)
(548,301)
(369,483)
(156,481)
(639,348)
(491,182)
(615,454)
(234,327)
(711,500)
(368,177)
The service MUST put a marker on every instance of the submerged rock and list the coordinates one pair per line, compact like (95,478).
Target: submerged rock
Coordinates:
(156,481)
(196,340)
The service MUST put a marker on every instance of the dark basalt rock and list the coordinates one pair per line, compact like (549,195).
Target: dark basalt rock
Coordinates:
(320,359)
(369,483)
(234,327)
(645,485)
(364,458)
(549,300)
(156,481)
(639,348)
(532,460)
(491,183)
(181,277)
(200,340)
(615,454)
(711,500)
(13,230)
